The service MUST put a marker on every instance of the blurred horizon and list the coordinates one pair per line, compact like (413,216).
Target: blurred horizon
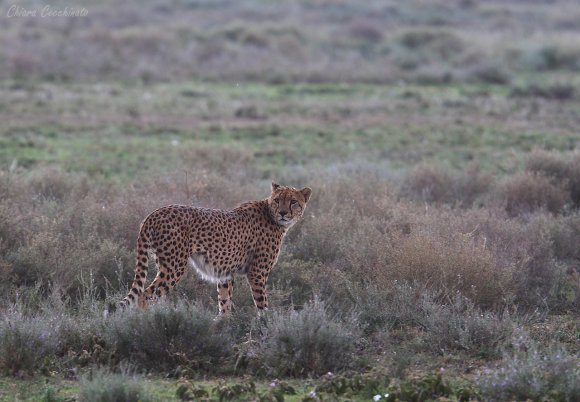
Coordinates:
(425,42)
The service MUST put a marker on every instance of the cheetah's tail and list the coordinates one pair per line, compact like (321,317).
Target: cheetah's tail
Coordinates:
(141,266)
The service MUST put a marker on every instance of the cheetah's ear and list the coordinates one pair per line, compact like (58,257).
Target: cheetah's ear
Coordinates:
(306,191)
(275,186)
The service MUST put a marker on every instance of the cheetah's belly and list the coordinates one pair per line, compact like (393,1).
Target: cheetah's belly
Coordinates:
(207,271)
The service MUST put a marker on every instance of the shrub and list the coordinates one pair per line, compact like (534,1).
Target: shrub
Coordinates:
(350,384)
(526,192)
(470,185)
(51,395)
(459,325)
(383,307)
(11,232)
(574,178)
(295,277)
(564,170)
(537,275)
(68,261)
(366,31)
(488,73)
(550,164)
(104,386)
(224,160)
(184,334)
(28,343)
(434,184)
(432,387)
(309,341)
(520,252)
(564,234)
(338,205)
(54,184)
(526,373)
(20,345)
(447,323)
(555,92)
(428,183)
(433,75)
(547,57)
(443,43)
(480,253)
(450,264)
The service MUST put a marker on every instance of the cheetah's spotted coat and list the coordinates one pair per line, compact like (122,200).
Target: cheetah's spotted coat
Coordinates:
(219,244)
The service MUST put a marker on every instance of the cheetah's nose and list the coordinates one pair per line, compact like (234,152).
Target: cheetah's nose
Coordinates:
(282,213)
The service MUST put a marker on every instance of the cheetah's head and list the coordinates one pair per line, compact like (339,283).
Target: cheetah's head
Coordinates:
(287,204)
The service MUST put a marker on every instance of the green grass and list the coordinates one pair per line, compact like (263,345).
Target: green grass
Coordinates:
(36,389)
(122,136)
(353,388)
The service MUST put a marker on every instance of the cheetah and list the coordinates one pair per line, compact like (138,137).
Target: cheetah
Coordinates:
(218,244)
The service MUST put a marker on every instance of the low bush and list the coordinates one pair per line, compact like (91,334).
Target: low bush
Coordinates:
(564,233)
(459,326)
(543,57)
(20,345)
(433,74)
(488,73)
(445,323)
(387,308)
(440,42)
(435,184)
(106,386)
(305,342)
(563,169)
(530,373)
(527,192)
(366,31)
(165,336)
(450,264)
(68,261)
(574,179)
(551,164)
(223,160)
(376,386)
(480,252)
(432,387)
(245,391)
(54,184)
(553,92)
(28,343)
(349,384)
(428,183)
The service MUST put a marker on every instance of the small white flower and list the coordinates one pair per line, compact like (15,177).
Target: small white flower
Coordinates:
(386,395)
(377,398)
(312,394)
(175,142)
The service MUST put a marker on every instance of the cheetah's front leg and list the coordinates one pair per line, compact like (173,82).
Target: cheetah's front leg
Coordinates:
(225,296)
(257,281)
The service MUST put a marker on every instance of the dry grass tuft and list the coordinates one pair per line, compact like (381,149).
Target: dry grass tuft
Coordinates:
(451,264)
(435,184)
(527,192)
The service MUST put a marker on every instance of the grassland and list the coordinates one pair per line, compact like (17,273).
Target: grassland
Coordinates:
(438,257)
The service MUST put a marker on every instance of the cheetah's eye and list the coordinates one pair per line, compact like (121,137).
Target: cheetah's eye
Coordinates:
(293,202)
(276,200)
